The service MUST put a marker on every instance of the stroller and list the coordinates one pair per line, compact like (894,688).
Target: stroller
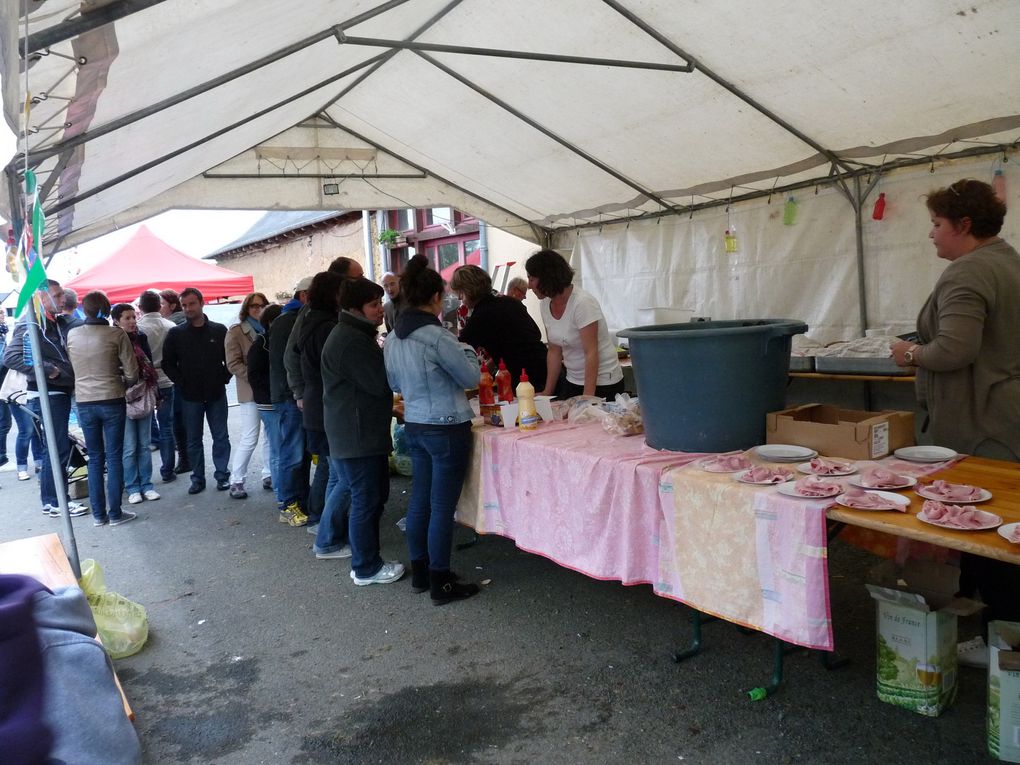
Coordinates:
(77,458)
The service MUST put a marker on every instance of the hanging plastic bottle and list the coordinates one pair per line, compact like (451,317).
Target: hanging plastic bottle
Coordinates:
(730,240)
(527,414)
(504,383)
(878,211)
(790,211)
(11,263)
(999,185)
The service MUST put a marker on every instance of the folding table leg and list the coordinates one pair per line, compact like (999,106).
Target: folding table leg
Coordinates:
(695,648)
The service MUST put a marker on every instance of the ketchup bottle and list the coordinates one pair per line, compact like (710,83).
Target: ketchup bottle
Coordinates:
(486,396)
(504,385)
(879,210)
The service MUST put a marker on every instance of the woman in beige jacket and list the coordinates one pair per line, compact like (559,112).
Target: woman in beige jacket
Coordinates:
(104,363)
(237,343)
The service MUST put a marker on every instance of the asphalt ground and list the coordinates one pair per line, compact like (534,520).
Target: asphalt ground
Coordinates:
(259,653)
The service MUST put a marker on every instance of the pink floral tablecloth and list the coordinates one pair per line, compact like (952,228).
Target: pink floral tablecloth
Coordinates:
(612,507)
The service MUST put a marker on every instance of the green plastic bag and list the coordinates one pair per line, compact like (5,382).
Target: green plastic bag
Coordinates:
(400,457)
(123,624)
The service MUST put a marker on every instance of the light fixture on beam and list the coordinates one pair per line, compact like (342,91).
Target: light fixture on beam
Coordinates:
(330,189)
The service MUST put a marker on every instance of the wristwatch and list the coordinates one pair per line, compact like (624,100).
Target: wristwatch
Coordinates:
(909,357)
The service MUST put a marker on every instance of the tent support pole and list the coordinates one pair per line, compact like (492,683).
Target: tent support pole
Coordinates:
(101,16)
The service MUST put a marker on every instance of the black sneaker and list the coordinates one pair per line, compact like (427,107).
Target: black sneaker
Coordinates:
(168,477)
(223,486)
(267,484)
(182,469)
(124,517)
(196,487)
(237,491)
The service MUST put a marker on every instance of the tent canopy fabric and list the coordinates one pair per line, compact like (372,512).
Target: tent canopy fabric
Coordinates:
(536,117)
(147,262)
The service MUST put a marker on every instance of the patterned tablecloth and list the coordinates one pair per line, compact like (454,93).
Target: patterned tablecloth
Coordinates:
(612,507)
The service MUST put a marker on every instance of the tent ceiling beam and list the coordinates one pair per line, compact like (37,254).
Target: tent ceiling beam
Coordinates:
(541,234)
(54,176)
(548,133)
(87,21)
(514,54)
(66,203)
(723,83)
(392,52)
(35,157)
(306,176)
(840,179)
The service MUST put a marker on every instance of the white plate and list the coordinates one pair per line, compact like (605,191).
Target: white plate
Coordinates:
(856,481)
(740,477)
(992,521)
(785,453)
(1006,531)
(805,467)
(925,453)
(790,490)
(708,467)
(923,491)
(897,499)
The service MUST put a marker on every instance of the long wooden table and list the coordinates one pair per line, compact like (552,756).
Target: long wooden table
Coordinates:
(1002,479)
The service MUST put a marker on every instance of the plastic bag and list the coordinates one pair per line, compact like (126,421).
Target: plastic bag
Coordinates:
(400,458)
(123,625)
(583,409)
(622,417)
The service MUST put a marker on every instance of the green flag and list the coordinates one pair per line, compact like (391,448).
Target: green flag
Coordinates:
(30,246)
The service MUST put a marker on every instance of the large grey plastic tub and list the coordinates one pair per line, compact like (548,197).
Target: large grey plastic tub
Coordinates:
(707,386)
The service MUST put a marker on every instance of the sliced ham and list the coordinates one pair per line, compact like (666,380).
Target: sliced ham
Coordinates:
(1014,535)
(953,492)
(866,500)
(726,463)
(762,474)
(820,466)
(880,478)
(955,516)
(813,486)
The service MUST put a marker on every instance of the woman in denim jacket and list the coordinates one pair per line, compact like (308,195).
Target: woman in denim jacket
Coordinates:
(427,364)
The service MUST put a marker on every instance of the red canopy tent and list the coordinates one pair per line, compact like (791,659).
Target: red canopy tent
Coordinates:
(145,261)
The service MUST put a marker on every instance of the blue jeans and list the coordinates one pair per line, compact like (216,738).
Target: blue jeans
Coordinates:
(271,423)
(137,457)
(439,462)
(325,477)
(369,481)
(291,451)
(336,501)
(103,426)
(5,428)
(27,436)
(215,413)
(60,409)
(164,422)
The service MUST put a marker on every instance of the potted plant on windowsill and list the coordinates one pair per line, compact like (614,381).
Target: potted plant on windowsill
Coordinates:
(391,238)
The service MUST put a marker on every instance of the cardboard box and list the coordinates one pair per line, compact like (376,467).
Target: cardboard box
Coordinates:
(1004,690)
(916,634)
(835,432)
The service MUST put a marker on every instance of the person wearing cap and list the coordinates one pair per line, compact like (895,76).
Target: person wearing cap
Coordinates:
(289,441)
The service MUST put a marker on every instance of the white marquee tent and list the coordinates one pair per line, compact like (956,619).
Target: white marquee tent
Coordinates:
(633,132)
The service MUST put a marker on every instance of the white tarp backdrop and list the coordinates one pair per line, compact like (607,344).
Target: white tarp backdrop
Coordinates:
(139,106)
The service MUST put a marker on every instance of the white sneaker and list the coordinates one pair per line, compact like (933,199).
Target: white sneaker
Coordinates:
(389,573)
(24,475)
(972,653)
(75,509)
(134,498)
(151,495)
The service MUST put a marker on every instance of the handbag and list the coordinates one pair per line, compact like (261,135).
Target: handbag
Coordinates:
(141,400)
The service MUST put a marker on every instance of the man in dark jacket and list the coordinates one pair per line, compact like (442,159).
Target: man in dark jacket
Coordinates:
(292,491)
(60,383)
(194,358)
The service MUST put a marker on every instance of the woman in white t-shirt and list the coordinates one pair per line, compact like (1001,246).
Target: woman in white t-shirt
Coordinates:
(578,338)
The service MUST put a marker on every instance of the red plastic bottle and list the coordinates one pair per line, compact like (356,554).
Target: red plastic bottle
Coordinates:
(504,385)
(879,211)
(485,391)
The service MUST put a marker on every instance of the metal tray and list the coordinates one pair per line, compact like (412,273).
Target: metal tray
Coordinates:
(802,363)
(860,366)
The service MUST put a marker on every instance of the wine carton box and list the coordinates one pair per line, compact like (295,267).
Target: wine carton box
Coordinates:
(835,432)
(1004,690)
(916,634)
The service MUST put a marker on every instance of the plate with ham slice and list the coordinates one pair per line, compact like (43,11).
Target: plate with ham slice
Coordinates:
(881,478)
(819,466)
(859,499)
(812,487)
(725,463)
(957,517)
(764,476)
(959,493)
(1010,532)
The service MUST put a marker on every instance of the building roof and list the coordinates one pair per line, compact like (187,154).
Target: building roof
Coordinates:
(274,224)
